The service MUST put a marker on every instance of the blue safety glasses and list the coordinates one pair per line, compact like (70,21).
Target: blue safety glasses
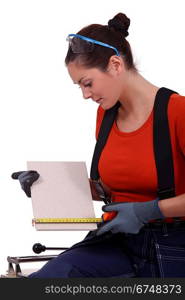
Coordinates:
(82,44)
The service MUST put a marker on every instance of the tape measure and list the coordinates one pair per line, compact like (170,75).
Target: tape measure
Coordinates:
(65,220)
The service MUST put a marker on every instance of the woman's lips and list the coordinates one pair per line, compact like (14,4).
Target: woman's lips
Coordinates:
(99,100)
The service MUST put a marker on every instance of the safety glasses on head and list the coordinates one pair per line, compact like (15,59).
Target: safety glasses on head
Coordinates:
(82,44)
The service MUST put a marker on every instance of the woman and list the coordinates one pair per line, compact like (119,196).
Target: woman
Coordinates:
(133,243)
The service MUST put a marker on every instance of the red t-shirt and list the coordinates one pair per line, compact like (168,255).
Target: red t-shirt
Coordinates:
(127,164)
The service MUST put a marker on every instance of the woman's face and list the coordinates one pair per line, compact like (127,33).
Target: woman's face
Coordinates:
(102,87)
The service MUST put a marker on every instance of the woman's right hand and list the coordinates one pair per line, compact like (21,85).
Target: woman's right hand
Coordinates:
(100,191)
(26,179)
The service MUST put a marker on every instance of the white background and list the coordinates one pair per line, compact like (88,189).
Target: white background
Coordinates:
(43,115)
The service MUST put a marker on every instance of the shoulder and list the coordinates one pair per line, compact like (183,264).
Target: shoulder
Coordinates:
(176,108)
(99,118)
(176,118)
(100,115)
(100,112)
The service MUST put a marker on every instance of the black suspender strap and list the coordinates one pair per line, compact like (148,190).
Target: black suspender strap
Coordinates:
(106,125)
(162,145)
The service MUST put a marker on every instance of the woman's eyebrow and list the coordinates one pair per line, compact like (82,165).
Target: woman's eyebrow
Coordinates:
(79,81)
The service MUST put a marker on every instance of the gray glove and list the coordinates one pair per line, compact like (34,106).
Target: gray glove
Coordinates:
(130,217)
(26,179)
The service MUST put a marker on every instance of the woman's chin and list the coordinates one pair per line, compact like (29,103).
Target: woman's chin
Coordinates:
(106,106)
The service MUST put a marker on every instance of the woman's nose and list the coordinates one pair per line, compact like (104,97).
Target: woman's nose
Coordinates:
(86,94)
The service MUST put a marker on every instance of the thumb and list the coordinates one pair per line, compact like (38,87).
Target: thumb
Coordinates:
(112,206)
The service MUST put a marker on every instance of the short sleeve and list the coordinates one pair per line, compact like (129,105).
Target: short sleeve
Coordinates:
(180,121)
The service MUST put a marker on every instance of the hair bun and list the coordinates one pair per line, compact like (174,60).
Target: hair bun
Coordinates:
(120,23)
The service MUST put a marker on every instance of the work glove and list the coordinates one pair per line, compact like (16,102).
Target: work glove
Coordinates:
(26,179)
(130,217)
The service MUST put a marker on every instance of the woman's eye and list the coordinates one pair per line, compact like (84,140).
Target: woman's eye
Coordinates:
(88,85)
(85,85)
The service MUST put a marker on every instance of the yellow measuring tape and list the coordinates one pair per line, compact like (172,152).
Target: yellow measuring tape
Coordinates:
(66,220)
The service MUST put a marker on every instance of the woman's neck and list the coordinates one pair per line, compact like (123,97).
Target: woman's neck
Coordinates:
(137,98)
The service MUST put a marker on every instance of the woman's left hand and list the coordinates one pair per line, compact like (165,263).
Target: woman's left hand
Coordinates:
(131,216)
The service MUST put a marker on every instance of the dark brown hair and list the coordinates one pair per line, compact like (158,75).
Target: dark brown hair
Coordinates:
(114,34)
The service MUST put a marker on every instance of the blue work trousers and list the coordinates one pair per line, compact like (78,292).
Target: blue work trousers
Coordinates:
(158,250)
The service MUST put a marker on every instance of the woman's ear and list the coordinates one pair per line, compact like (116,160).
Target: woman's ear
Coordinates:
(115,65)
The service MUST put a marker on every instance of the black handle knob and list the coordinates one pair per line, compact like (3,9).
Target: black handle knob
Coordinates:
(38,248)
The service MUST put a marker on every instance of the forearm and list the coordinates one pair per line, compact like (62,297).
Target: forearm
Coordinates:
(173,207)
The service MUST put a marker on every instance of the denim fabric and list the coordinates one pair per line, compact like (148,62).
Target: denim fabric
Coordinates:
(158,250)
